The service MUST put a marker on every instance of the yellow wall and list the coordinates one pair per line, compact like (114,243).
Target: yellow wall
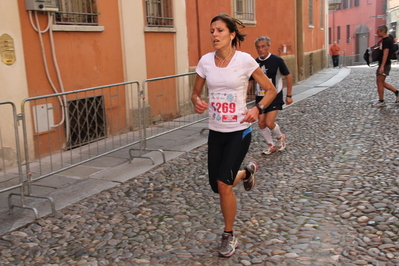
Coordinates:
(14,86)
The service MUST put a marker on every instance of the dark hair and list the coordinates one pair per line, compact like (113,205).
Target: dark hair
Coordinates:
(232,24)
(384,28)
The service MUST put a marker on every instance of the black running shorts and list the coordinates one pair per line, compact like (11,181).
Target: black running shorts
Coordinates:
(226,152)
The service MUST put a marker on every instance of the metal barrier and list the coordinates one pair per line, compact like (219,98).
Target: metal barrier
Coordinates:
(94,122)
(72,128)
(9,155)
(347,60)
(64,130)
(170,107)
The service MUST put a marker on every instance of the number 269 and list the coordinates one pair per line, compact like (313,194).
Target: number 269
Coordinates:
(224,107)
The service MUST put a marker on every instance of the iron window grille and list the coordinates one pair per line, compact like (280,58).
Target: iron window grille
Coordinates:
(77,12)
(87,120)
(159,13)
(244,10)
(310,12)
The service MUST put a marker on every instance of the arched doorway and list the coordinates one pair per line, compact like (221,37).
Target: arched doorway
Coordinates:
(362,36)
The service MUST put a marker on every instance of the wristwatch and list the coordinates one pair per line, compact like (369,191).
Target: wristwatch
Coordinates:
(289,96)
(261,108)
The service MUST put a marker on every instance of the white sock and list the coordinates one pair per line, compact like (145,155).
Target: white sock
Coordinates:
(276,131)
(267,134)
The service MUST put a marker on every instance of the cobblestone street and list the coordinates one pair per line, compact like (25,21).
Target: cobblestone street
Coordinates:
(332,198)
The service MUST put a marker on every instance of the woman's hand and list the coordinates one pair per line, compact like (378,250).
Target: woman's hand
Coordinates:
(251,115)
(200,106)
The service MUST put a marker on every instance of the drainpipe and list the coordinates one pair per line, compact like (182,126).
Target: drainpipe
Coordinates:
(198,30)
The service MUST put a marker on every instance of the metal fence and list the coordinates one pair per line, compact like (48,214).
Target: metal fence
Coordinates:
(348,60)
(61,131)
(66,130)
(169,107)
(76,127)
(14,179)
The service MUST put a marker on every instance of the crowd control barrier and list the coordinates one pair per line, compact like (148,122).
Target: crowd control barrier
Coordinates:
(167,107)
(64,130)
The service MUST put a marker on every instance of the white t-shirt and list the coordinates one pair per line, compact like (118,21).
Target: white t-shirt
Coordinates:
(227,90)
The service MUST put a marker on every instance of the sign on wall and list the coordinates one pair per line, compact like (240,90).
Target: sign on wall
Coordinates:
(7,51)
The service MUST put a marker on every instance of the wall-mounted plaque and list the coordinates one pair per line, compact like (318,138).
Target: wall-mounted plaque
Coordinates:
(7,51)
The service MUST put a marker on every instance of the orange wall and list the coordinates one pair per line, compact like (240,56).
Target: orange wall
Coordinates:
(85,59)
(198,25)
(161,61)
(275,19)
(314,38)
(160,54)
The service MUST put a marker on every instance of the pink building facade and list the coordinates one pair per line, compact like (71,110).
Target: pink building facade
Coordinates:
(353,25)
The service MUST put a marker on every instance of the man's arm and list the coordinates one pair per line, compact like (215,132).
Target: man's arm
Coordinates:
(289,100)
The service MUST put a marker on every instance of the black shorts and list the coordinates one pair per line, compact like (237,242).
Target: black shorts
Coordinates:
(387,69)
(226,152)
(277,103)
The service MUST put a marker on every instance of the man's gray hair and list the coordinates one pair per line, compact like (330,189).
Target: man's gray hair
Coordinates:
(263,38)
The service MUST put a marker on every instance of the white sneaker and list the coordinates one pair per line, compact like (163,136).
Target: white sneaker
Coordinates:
(249,182)
(270,149)
(281,143)
(380,104)
(228,246)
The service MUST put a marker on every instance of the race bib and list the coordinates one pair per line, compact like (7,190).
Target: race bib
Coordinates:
(259,91)
(224,107)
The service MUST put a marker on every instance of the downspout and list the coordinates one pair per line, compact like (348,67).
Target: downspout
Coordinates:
(198,30)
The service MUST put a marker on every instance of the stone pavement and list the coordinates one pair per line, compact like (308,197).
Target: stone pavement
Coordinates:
(77,183)
(330,199)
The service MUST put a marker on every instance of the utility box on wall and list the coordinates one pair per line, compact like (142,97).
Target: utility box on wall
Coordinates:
(42,5)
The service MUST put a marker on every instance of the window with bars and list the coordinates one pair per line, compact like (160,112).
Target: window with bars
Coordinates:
(244,10)
(345,4)
(159,13)
(77,12)
(310,13)
(87,120)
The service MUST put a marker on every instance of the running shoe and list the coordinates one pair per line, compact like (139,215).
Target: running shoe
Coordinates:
(249,182)
(270,149)
(228,246)
(380,104)
(280,146)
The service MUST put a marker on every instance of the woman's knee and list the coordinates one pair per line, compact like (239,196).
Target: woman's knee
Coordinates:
(224,188)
